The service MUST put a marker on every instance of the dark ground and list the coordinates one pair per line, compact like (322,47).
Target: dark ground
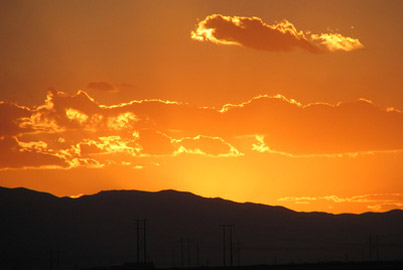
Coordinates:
(38,230)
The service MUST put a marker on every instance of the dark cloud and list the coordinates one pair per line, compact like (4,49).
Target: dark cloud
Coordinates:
(9,115)
(15,154)
(252,32)
(101,86)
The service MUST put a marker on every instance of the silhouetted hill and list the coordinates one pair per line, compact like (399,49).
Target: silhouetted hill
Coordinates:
(100,230)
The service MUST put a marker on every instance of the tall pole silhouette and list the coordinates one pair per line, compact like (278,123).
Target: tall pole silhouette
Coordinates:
(370,248)
(144,236)
(223,244)
(198,254)
(173,258)
(230,246)
(50,259)
(145,242)
(182,262)
(188,243)
(238,253)
(138,240)
(188,247)
(58,259)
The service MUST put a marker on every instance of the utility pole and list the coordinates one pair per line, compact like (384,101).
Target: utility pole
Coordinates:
(138,230)
(173,258)
(138,240)
(182,262)
(198,254)
(188,247)
(50,259)
(370,248)
(377,247)
(58,258)
(238,253)
(223,244)
(145,242)
(230,248)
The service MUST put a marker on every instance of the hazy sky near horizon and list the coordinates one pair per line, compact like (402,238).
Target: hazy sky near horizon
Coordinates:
(294,103)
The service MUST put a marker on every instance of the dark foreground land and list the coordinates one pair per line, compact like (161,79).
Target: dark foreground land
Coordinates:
(317,266)
(184,231)
(327,266)
(314,266)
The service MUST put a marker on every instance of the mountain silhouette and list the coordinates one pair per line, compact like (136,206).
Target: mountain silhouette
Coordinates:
(42,231)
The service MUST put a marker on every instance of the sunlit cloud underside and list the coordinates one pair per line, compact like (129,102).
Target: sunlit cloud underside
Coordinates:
(208,148)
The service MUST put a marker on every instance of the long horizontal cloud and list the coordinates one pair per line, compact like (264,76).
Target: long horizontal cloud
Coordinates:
(252,32)
(77,131)
(102,86)
(9,113)
(373,202)
(214,146)
(15,154)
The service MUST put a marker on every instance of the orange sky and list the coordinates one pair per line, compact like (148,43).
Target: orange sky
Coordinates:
(293,103)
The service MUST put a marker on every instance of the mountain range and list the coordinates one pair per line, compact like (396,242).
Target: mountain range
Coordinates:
(42,231)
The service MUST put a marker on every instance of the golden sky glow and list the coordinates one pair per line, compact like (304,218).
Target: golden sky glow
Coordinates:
(293,103)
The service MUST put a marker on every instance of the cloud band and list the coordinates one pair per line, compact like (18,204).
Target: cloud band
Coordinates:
(252,32)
